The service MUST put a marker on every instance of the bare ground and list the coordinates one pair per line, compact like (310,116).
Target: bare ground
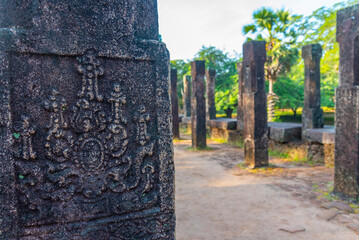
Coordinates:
(216,199)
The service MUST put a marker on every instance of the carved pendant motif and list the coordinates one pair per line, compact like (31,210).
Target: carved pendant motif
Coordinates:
(86,146)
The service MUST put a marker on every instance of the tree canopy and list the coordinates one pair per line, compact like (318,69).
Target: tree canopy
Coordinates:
(285,33)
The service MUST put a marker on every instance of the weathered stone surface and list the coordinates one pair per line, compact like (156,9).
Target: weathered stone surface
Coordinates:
(312,116)
(223,123)
(315,152)
(255,105)
(187,89)
(338,205)
(346,180)
(324,135)
(220,127)
(85,139)
(210,93)
(198,105)
(174,102)
(240,112)
(284,132)
(329,154)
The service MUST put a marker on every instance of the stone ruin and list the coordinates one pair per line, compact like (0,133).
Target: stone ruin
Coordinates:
(255,105)
(346,180)
(210,94)
(85,140)
(198,105)
(312,116)
(187,85)
(174,102)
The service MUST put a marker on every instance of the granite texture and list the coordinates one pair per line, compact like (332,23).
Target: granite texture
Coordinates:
(85,117)
(255,105)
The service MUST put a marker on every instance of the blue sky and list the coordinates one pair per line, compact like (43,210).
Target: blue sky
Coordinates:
(186,25)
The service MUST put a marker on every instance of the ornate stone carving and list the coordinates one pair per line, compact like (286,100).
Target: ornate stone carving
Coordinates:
(141,119)
(27,132)
(58,143)
(90,69)
(94,159)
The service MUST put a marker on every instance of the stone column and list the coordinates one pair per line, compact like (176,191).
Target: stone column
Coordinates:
(312,116)
(187,95)
(174,101)
(240,113)
(85,112)
(346,180)
(198,107)
(210,92)
(255,105)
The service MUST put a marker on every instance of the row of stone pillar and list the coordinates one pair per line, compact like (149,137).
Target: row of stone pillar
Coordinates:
(195,104)
(252,103)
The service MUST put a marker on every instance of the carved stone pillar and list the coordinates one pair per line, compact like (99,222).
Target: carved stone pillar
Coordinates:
(312,116)
(210,92)
(346,179)
(198,107)
(255,105)
(174,101)
(85,138)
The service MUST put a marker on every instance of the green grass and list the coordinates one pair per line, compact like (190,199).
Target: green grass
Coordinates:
(277,153)
(286,115)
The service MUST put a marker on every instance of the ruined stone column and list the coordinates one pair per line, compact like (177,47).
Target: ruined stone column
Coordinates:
(198,107)
(240,113)
(85,135)
(312,116)
(210,92)
(255,105)
(187,95)
(346,180)
(174,101)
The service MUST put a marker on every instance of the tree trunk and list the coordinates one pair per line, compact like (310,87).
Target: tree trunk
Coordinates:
(271,103)
(229,112)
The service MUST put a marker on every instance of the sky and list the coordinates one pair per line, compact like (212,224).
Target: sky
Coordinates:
(187,25)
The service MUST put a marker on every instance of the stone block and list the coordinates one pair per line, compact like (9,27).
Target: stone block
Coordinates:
(324,135)
(284,132)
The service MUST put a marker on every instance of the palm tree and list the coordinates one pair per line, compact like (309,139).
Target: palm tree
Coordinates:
(278,30)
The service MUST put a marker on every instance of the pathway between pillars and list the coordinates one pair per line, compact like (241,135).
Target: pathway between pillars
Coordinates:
(217,200)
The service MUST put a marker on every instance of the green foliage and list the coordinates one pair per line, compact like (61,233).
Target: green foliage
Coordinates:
(226,96)
(183,68)
(277,28)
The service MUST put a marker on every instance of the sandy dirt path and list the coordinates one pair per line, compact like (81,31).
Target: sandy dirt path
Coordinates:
(214,201)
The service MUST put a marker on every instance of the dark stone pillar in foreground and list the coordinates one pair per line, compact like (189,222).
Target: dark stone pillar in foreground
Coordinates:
(187,86)
(346,180)
(255,105)
(198,108)
(210,92)
(240,112)
(312,116)
(174,101)
(85,135)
